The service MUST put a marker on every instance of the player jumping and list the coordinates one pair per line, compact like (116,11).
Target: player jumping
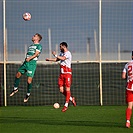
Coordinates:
(65,77)
(128,73)
(29,65)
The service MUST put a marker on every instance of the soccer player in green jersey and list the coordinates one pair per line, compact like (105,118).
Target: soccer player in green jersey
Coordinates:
(29,65)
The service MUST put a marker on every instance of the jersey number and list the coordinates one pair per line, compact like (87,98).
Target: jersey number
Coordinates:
(129,70)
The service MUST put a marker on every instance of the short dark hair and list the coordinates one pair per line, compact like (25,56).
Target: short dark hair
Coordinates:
(64,44)
(39,36)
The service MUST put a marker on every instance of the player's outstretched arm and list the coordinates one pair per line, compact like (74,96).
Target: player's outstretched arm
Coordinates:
(51,59)
(58,57)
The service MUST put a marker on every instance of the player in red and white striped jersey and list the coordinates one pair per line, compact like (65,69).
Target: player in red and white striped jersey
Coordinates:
(128,74)
(65,77)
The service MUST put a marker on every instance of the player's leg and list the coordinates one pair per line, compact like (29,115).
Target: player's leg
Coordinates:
(63,91)
(29,87)
(21,70)
(68,94)
(31,68)
(129,100)
(67,82)
(16,83)
(60,85)
(17,80)
(72,99)
(128,114)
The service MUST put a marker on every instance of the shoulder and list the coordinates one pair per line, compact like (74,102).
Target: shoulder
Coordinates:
(68,53)
(39,46)
(128,63)
(61,54)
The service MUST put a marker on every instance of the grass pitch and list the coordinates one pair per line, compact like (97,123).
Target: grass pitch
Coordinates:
(80,119)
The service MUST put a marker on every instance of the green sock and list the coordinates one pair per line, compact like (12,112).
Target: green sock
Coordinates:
(16,82)
(29,87)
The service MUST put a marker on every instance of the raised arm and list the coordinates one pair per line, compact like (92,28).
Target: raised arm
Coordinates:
(33,56)
(57,56)
(53,59)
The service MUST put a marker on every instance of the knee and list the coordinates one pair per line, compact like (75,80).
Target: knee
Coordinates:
(67,88)
(29,81)
(18,75)
(130,105)
(61,89)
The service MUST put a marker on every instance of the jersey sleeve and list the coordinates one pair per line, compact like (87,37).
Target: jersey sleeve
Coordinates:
(39,48)
(67,55)
(125,69)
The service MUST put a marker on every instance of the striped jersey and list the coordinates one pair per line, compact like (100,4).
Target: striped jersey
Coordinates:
(128,69)
(65,65)
(32,50)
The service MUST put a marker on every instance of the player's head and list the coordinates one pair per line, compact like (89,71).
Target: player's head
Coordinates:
(63,46)
(132,55)
(37,37)
(40,37)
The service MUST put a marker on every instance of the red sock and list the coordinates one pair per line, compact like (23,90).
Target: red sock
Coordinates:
(128,113)
(68,94)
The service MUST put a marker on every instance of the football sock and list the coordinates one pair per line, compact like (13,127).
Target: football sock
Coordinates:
(16,82)
(66,104)
(68,94)
(71,98)
(29,87)
(64,93)
(128,113)
(15,88)
(28,94)
(128,121)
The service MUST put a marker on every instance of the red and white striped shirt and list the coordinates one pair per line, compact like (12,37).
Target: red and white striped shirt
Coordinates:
(65,65)
(129,70)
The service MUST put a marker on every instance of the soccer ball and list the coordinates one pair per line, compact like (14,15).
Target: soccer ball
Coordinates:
(56,105)
(27,16)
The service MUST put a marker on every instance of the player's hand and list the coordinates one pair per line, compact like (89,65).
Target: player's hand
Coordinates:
(54,53)
(47,59)
(27,59)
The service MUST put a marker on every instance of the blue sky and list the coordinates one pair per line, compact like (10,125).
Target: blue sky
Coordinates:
(72,21)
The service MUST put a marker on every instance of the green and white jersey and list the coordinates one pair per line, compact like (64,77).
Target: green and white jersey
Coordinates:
(32,49)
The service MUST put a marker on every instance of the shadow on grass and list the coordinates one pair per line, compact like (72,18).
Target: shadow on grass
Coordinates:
(19,120)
